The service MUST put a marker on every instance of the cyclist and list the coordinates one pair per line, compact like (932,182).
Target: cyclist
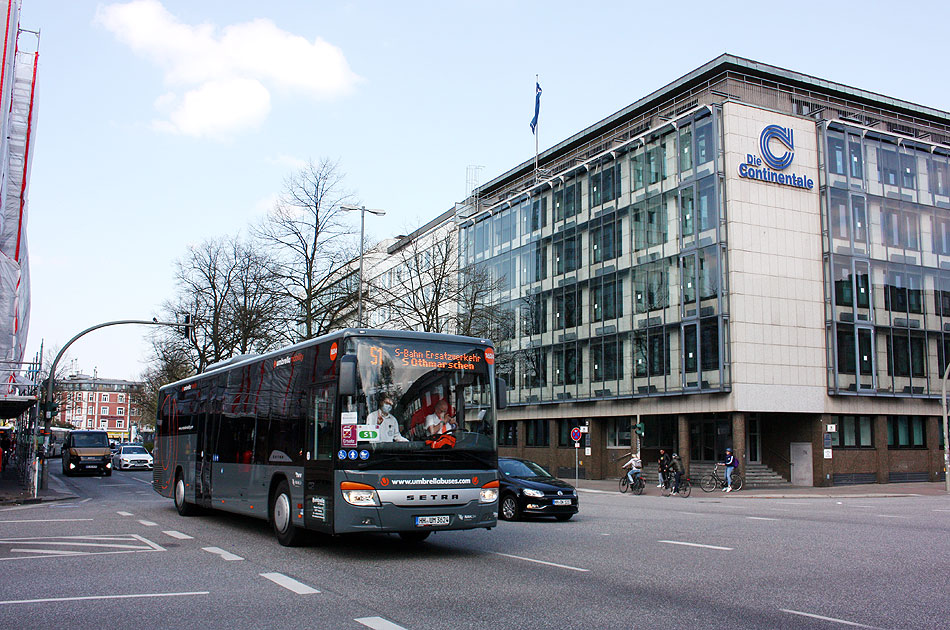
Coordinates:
(634,465)
(731,463)
(676,469)
(663,463)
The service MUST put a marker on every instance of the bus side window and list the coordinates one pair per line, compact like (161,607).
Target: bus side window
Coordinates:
(322,421)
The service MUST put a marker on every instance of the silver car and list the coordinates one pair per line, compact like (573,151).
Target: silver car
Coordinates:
(132,457)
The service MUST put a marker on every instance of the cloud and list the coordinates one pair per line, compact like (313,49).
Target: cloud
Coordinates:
(220,79)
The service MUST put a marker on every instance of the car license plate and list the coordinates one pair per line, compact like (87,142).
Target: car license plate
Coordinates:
(90,465)
(562,501)
(425,521)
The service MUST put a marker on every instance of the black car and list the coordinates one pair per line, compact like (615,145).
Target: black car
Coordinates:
(527,489)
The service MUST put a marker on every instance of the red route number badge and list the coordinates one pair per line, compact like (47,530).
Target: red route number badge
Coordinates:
(490,356)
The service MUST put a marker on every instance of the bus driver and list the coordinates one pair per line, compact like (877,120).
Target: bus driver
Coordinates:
(386,423)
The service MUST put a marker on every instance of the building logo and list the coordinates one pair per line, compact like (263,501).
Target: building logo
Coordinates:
(784,136)
(766,167)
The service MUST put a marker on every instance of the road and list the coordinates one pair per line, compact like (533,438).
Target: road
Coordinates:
(120,555)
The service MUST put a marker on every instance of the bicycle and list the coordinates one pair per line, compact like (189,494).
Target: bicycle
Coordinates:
(713,481)
(637,485)
(686,485)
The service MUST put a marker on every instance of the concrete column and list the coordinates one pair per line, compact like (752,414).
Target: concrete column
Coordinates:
(934,428)
(824,474)
(739,439)
(879,435)
(683,429)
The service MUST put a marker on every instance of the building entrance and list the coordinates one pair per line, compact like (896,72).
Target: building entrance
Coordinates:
(708,439)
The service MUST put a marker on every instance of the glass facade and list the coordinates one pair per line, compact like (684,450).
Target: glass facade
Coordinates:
(886,215)
(613,273)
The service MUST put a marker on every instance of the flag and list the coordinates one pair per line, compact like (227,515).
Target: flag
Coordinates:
(537,108)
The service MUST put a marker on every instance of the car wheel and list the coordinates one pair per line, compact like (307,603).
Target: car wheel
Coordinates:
(413,537)
(184,508)
(563,517)
(509,509)
(288,534)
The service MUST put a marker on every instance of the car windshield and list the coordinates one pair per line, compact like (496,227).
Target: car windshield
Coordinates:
(411,392)
(521,469)
(134,450)
(87,440)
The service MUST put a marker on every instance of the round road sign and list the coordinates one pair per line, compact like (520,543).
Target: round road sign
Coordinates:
(576,434)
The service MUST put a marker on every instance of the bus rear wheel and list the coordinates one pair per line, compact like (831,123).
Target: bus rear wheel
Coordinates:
(288,534)
(184,508)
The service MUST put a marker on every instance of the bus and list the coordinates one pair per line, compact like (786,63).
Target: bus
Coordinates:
(295,436)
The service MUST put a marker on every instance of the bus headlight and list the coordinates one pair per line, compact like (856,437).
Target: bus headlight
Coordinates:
(359,494)
(489,492)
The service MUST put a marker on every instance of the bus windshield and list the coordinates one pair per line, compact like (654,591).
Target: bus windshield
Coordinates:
(420,400)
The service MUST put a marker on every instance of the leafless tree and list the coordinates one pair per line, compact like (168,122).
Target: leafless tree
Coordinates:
(478,315)
(307,238)
(170,362)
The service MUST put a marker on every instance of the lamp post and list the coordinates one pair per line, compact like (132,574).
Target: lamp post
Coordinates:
(359,281)
(946,432)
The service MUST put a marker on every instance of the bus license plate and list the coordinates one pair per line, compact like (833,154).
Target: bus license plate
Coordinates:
(562,501)
(425,521)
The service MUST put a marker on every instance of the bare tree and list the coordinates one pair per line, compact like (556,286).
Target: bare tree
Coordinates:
(422,291)
(170,362)
(477,315)
(255,308)
(306,236)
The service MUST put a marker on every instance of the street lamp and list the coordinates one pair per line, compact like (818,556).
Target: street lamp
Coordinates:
(359,282)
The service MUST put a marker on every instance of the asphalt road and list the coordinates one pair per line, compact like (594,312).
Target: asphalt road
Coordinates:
(120,556)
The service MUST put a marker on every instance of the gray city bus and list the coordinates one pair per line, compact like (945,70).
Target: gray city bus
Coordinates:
(297,436)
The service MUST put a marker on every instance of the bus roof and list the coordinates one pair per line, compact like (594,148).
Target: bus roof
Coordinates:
(238,361)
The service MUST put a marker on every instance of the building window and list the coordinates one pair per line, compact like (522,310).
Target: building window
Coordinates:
(534,314)
(650,285)
(618,432)
(903,293)
(567,308)
(939,171)
(567,202)
(118,424)
(566,255)
(853,432)
(564,427)
(906,432)
(900,229)
(121,398)
(567,365)
(507,433)
(905,355)
(103,411)
(650,223)
(652,353)
(104,397)
(704,141)
(605,242)
(606,359)
(120,411)
(534,368)
(606,300)
(536,433)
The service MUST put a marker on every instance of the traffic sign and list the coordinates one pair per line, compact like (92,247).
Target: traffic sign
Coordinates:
(576,434)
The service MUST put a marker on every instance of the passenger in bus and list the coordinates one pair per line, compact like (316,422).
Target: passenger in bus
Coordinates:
(386,423)
(440,421)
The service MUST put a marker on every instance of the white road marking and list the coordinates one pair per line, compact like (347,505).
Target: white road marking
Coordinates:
(941,510)
(47,520)
(28,507)
(226,555)
(890,516)
(289,583)
(76,599)
(178,535)
(693,513)
(148,483)
(592,491)
(86,500)
(689,544)
(550,564)
(59,546)
(832,619)
(148,523)
(378,623)
(762,518)
(124,513)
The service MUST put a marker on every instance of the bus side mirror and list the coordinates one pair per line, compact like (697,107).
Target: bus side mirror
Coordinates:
(347,375)
(501,393)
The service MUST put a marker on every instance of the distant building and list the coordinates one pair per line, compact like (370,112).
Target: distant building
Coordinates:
(88,402)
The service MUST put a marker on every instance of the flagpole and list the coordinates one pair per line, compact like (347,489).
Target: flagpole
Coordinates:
(537,81)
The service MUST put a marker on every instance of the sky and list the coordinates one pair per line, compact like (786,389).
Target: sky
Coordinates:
(164,123)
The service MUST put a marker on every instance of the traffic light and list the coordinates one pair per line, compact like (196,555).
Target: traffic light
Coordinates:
(638,428)
(187,329)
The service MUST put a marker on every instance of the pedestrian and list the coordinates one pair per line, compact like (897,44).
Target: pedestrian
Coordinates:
(730,463)
(5,447)
(663,463)
(676,469)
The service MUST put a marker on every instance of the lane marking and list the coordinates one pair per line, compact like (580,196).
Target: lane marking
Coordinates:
(148,483)
(176,534)
(148,523)
(689,544)
(762,518)
(693,513)
(890,516)
(378,623)
(124,513)
(88,597)
(27,507)
(226,555)
(941,510)
(289,583)
(592,491)
(823,618)
(550,564)
(86,500)
(60,546)
(47,520)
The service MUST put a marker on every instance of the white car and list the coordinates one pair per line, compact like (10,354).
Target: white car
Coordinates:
(131,457)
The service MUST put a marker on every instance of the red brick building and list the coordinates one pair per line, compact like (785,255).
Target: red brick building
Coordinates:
(89,402)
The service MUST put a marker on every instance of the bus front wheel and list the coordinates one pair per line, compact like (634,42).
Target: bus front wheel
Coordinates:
(288,534)
(184,508)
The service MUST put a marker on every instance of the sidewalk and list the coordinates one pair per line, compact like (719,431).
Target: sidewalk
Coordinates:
(16,492)
(874,490)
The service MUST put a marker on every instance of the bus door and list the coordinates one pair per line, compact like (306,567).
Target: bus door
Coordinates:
(319,457)
(207,430)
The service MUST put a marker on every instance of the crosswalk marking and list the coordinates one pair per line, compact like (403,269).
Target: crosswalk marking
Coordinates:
(289,583)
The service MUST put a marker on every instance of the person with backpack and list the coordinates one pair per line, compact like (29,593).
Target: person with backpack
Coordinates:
(676,469)
(633,467)
(730,463)
(663,464)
